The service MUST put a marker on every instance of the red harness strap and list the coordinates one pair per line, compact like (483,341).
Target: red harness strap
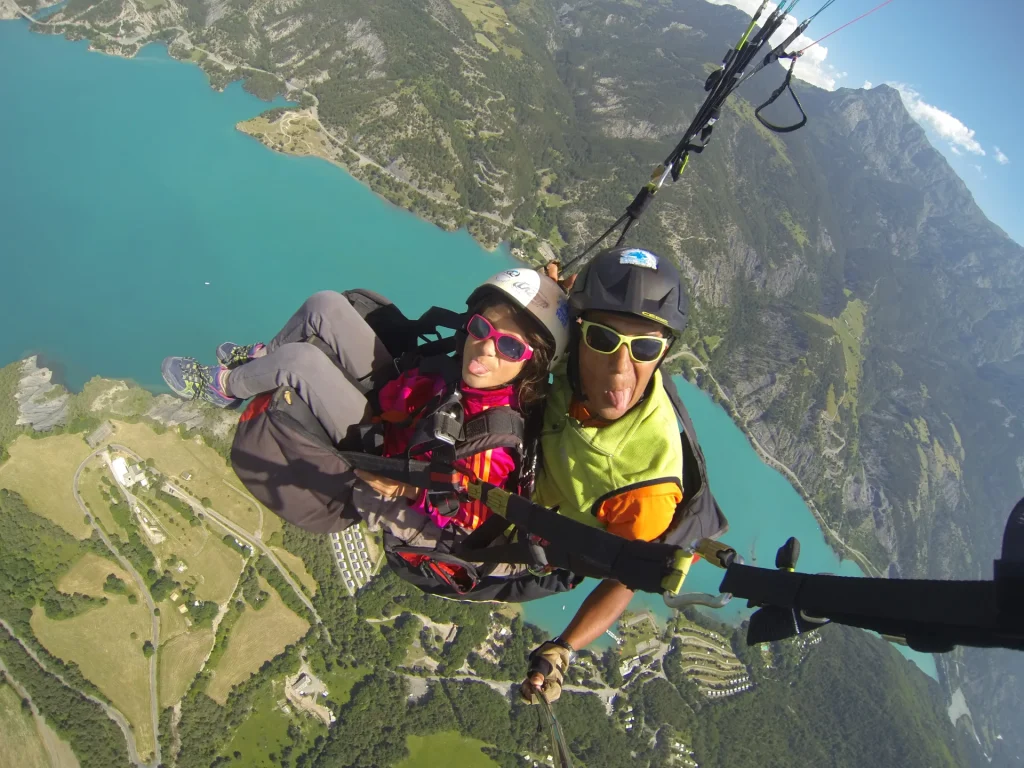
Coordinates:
(259,404)
(453,575)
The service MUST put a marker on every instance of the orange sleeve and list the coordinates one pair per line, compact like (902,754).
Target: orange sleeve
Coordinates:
(641,513)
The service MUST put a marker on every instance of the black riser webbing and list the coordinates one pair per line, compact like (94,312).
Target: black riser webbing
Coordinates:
(580,548)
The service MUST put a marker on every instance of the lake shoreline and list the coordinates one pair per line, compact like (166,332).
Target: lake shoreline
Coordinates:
(383,181)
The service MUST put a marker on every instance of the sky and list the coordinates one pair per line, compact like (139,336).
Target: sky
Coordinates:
(959,70)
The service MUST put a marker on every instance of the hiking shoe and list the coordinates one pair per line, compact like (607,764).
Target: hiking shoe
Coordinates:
(189,379)
(233,355)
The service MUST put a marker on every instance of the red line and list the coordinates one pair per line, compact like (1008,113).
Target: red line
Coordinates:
(798,53)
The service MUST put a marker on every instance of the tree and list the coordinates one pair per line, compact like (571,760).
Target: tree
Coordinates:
(147,649)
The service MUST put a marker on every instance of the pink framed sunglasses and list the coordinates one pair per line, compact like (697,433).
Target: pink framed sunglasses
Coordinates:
(510,347)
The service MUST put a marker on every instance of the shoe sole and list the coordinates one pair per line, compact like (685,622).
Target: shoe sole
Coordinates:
(222,355)
(175,385)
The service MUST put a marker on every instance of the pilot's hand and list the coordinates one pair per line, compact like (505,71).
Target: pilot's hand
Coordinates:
(389,489)
(547,668)
(551,270)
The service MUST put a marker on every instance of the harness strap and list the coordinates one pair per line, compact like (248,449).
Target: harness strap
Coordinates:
(570,544)
(500,427)
(786,86)
(448,368)
(485,534)
(933,616)
(410,345)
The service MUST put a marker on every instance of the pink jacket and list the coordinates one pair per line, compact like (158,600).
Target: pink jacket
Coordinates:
(408,393)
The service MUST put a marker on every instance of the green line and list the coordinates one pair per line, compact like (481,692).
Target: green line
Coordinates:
(753,21)
(686,162)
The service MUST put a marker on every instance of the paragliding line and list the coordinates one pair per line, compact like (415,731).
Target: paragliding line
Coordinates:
(877,7)
(564,757)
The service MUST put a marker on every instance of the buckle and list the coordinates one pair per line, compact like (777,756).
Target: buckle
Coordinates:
(448,420)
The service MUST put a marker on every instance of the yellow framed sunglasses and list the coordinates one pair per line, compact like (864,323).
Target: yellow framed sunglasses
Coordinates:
(606,341)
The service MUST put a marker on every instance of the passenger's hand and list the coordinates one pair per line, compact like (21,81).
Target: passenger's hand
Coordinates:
(389,489)
(551,270)
(547,668)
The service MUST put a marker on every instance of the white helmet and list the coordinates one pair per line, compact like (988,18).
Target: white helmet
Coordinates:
(541,297)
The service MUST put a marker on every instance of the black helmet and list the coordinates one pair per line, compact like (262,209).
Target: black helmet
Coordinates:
(633,281)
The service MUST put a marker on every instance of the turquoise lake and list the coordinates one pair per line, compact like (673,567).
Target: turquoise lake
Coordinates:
(125,189)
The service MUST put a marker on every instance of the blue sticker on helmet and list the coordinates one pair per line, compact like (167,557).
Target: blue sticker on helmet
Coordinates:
(639,258)
(562,313)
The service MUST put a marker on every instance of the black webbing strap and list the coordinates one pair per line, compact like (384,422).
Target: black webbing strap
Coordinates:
(408,341)
(422,474)
(771,99)
(559,542)
(437,347)
(502,420)
(447,367)
(501,423)
(485,534)
(430,324)
(932,615)
(570,544)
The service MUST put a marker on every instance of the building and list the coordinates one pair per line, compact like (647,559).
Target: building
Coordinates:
(137,474)
(127,476)
(182,609)
(186,476)
(629,665)
(120,469)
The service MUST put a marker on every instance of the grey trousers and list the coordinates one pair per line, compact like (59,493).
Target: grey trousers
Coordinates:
(332,397)
(335,401)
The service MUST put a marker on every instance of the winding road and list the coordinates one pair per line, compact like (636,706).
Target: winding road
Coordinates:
(144,590)
(224,523)
(856,554)
(234,530)
(120,720)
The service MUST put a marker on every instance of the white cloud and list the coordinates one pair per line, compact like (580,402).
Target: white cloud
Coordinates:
(954,150)
(1001,158)
(812,67)
(940,122)
(868,85)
